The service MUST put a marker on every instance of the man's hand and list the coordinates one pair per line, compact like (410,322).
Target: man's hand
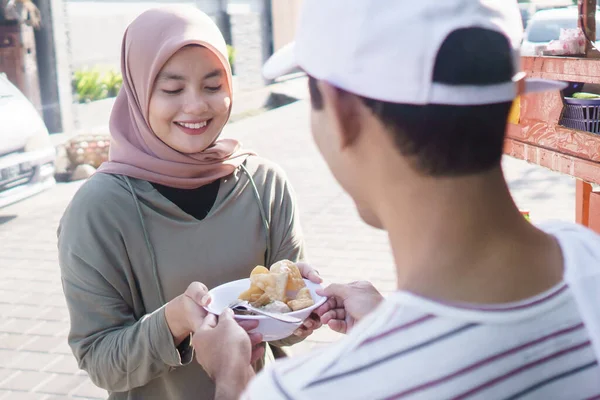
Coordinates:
(347,304)
(224,350)
(186,311)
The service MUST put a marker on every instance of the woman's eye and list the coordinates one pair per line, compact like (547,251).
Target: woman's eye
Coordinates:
(214,88)
(176,91)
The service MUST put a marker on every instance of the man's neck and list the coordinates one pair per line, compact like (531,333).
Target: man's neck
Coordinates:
(464,240)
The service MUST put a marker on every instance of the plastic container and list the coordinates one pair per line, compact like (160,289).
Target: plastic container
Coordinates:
(581,114)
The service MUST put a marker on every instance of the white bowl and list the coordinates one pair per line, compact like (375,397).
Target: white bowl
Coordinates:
(271,329)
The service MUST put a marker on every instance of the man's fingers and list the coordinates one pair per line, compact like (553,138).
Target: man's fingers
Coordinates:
(248,324)
(338,325)
(336,290)
(336,314)
(330,304)
(198,292)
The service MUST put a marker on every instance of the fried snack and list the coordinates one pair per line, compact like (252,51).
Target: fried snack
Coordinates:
(261,301)
(302,301)
(251,294)
(259,269)
(295,281)
(272,284)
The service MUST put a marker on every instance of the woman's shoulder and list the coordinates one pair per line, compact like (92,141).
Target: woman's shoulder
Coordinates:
(101,188)
(101,195)
(268,171)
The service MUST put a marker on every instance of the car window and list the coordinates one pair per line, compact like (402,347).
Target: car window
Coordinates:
(546,30)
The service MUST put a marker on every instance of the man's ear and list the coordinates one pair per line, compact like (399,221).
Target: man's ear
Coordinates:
(345,111)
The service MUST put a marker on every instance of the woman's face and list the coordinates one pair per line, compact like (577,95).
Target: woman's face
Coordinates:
(190,100)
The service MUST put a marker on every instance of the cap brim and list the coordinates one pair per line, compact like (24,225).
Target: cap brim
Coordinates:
(535,85)
(281,63)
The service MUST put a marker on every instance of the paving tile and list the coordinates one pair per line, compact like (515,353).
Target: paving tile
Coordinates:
(15,325)
(89,390)
(5,373)
(55,314)
(28,311)
(49,328)
(33,361)
(47,344)
(26,380)
(7,357)
(62,384)
(13,341)
(10,296)
(17,395)
(66,365)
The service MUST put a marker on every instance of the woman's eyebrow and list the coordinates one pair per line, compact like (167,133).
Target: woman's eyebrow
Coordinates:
(213,74)
(167,76)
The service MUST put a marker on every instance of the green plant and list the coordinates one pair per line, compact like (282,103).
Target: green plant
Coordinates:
(91,85)
(231,55)
(88,86)
(113,81)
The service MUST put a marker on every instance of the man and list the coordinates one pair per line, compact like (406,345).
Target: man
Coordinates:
(410,101)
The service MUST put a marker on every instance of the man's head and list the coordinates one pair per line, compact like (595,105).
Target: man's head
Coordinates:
(408,91)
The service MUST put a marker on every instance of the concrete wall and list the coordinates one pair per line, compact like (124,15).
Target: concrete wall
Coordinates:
(96,30)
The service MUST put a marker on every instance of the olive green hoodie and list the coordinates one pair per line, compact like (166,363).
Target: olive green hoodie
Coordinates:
(123,254)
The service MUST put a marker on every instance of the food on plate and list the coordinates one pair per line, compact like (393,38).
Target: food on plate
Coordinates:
(277,307)
(280,289)
(303,299)
(295,281)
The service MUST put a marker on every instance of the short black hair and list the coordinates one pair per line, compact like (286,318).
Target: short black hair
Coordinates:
(448,140)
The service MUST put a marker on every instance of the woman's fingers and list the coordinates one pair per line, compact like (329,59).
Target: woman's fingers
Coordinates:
(198,292)
(309,272)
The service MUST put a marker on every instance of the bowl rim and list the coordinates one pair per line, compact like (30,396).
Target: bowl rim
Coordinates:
(261,317)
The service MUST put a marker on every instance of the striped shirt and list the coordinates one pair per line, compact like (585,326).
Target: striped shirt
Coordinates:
(416,348)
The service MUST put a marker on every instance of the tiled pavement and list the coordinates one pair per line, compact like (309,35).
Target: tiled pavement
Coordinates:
(36,363)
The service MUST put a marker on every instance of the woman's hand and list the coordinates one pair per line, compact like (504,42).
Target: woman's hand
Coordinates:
(185,312)
(347,304)
(309,272)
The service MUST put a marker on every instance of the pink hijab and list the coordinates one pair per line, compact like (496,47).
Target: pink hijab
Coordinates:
(135,150)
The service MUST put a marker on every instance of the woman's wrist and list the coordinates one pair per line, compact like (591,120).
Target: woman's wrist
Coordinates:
(175,321)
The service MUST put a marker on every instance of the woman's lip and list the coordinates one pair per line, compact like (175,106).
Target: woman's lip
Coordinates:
(193,131)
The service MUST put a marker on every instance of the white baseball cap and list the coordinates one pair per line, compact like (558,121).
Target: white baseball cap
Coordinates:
(387,50)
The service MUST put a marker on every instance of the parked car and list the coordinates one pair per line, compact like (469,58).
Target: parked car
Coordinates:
(545,25)
(527,9)
(27,156)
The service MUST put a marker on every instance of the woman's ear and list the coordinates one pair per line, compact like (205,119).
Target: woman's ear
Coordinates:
(344,111)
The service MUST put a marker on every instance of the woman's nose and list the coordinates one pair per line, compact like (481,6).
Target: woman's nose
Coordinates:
(195,105)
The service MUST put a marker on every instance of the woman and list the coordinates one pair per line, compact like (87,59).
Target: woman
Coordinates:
(174,206)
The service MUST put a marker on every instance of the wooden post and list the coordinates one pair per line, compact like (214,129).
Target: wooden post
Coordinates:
(583,190)
(594,212)
(47,68)
(587,22)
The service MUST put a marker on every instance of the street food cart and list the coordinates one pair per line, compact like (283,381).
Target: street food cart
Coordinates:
(538,133)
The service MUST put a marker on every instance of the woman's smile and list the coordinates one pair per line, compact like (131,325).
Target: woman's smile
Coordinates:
(197,127)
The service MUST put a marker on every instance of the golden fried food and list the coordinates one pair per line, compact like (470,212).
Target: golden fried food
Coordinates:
(251,294)
(303,300)
(272,287)
(259,269)
(261,301)
(272,284)
(295,281)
